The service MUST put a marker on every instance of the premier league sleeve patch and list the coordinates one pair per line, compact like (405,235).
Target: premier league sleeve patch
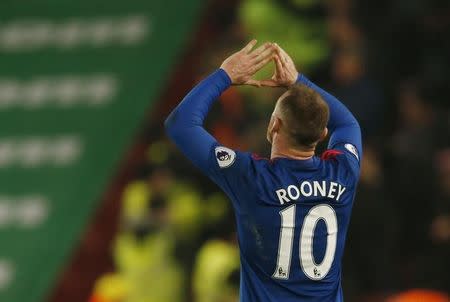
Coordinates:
(225,157)
(352,150)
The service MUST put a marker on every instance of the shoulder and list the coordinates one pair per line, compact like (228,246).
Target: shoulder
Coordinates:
(242,168)
(346,157)
(228,161)
(260,160)
(260,164)
(225,157)
(331,154)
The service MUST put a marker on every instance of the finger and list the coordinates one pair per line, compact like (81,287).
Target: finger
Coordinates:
(281,55)
(269,83)
(286,58)
(267,53)
(249,46)
(278,64)
(252,82)
(261,64)
(260,49)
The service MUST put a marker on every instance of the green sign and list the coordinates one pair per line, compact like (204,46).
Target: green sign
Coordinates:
(76,78)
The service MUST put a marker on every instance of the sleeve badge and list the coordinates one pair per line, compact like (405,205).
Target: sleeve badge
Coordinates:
(352,150)
(225,157)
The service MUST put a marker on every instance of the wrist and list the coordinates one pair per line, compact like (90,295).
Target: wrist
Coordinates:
(226,75)
(295,78)
(300,78)
(223,77)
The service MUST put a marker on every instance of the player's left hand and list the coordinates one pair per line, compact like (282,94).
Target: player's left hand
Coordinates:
(285,71)
(242,65)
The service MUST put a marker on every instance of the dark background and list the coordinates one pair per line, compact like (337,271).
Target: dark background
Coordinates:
(386,60)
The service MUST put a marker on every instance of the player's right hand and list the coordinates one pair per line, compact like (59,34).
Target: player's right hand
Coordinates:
(285,73)
(242,65)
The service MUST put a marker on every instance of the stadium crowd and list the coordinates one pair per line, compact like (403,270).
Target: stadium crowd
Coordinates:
(387,61)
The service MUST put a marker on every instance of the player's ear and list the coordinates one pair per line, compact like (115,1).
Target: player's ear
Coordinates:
(324,134)
(274,127)
(276,124)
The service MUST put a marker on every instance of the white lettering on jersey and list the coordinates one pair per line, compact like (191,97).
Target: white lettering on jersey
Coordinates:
(225,157)
(315,188)
(302,188)
(332,190)
(294,189)
(281,193)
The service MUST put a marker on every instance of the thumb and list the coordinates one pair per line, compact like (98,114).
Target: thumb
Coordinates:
(252,82)
(269,83)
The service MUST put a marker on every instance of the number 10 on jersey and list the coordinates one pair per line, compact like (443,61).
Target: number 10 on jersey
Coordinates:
(311,269)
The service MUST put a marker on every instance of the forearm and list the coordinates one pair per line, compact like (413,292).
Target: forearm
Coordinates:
(185,124)
(339,114)
(342,125)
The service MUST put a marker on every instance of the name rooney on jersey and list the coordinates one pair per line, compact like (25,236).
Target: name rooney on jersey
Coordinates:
(314,188)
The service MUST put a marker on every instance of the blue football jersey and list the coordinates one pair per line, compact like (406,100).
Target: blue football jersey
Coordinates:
(292,218)
(292,215)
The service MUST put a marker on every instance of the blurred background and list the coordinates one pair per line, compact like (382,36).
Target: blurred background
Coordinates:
(96,205)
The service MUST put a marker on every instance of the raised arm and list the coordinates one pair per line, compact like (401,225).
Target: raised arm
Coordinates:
(343,126)
(185,124)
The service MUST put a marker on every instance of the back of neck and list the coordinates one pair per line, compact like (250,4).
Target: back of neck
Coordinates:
(280,149)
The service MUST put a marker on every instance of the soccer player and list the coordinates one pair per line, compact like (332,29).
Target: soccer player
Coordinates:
(292,210)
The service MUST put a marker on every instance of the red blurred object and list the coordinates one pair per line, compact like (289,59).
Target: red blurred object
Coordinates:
(96,298)
(420,295)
